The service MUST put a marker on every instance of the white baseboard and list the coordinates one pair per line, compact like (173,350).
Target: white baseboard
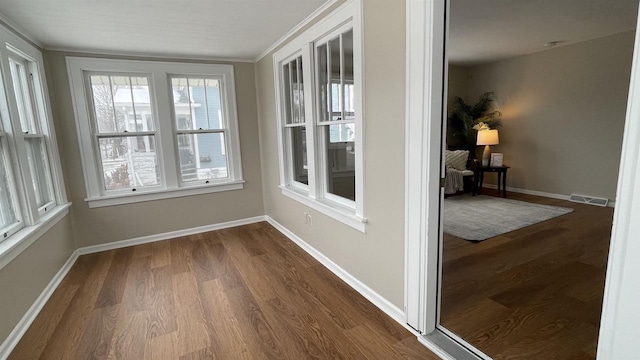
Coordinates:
(538,193)
(27,319)
(376,299)
(168,235)
(23,325)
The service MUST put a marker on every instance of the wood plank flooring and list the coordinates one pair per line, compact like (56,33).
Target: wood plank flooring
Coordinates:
(535,293)
(240,293)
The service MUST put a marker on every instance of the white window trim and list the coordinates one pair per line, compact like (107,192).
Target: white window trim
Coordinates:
(34,223)
(346,211)
(110,200)
(167,150)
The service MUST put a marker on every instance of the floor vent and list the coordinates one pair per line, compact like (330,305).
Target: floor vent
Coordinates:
(589,200)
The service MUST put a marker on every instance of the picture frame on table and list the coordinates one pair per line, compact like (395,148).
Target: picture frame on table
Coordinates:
(496,160)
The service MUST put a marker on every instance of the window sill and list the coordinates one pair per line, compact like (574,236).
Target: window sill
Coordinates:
(336,211)
(111,200)
(20,241)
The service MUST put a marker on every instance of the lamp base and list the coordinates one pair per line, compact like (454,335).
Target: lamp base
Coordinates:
(486,155)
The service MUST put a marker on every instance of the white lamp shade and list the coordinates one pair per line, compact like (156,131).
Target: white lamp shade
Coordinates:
(488,137)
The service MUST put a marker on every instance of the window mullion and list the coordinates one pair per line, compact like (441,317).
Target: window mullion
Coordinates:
(341,88)
(206,103)
(200,131)
(133,104)
(166,140)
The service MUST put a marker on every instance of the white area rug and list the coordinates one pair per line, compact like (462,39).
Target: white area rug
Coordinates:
(481,217)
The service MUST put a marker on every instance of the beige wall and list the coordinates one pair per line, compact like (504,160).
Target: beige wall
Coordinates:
(377,257)
(458,85)
(113,223)
(24,278)
(563,114)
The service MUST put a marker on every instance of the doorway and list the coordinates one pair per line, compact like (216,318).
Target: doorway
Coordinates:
(425,307)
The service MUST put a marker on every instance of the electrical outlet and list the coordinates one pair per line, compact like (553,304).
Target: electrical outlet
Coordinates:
(309,220)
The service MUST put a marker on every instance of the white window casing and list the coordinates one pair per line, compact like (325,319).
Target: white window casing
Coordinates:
(32,192)
(160,115)
(346,115)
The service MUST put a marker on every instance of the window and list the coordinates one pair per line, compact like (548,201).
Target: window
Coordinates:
(31,187)
(10,221)
(336,115)
(320,121)
(153,130)
(295,126)
(201,129)
(124,142)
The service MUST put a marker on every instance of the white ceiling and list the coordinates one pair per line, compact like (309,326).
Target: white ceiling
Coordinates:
(488,30)
(238,29)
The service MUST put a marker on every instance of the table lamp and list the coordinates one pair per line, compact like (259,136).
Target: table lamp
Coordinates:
(486,138)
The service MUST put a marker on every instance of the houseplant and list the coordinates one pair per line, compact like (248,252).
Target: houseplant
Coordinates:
(465,121)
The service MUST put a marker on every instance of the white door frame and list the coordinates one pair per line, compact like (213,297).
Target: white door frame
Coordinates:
(425,64)
(425,81)
(620,312)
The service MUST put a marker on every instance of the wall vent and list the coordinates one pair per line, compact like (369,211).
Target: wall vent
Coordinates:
(591,200)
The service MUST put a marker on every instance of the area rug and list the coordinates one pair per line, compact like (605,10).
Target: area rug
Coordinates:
(478,218)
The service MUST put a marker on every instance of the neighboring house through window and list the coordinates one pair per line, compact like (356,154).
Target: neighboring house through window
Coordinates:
(152,130)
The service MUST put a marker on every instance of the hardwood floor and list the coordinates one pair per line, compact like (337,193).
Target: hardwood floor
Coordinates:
(240,293)
(534,293)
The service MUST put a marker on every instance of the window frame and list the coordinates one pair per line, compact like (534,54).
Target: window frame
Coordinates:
(288,127)
(225,129)
(96,135)
(166,143)
(34,220)
(316,195)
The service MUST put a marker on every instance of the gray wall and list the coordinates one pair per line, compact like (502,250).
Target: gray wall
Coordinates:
(113,223)
(563,114)
(24,278)
(377,257)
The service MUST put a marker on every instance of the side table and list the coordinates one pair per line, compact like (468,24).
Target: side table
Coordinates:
(502,177)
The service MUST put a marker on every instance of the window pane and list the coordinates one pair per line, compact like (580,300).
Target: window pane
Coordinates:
(102,104)
(129,162)
(300,92)
(286,80)
(323,82)
(40,176)
(120,103)
(336,91)
(23,97)
(342,133)
(299,154)
(347,87)
(202,156)
(7,210)
(142,104)
(341,177)
(295,94)
(197,103)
